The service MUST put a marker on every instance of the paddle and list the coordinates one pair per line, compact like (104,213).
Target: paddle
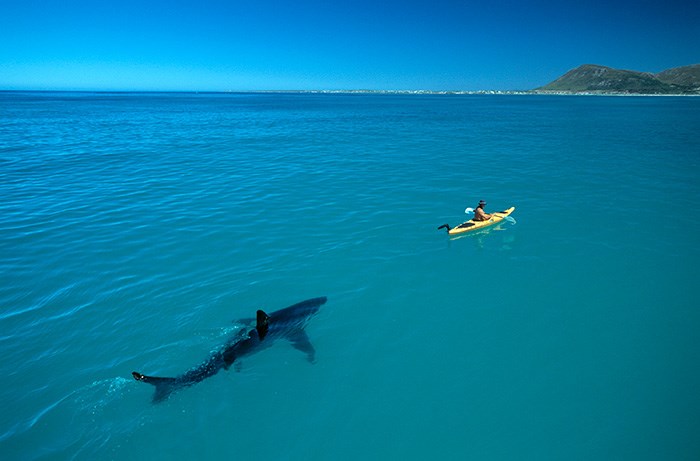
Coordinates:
(507,218)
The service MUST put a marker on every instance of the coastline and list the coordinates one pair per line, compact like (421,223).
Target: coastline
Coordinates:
(367,92)
(478,92)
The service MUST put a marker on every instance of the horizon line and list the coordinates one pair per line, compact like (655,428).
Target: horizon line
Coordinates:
(534,92)
(338,91)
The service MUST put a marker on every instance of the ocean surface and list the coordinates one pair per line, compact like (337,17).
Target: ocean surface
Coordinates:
(137,229)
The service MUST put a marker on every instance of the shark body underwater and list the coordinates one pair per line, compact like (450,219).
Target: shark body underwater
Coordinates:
(287,323)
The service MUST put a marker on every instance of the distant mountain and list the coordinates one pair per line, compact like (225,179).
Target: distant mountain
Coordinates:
(591,78)
(688,76)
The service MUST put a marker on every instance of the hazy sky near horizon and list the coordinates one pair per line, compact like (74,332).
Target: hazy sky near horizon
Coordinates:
(218,45)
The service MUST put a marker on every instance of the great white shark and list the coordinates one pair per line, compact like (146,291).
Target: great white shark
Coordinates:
(287,323)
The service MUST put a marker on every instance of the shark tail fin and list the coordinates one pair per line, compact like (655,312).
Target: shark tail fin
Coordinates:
(444,226)
(164,386)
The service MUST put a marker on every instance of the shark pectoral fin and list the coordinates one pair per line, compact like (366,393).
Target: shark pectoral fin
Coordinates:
(262,324)
(300,341)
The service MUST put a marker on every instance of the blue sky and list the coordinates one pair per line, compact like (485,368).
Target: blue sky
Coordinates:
(216,45)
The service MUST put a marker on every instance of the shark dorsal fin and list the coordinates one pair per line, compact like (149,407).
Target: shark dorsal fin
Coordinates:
(262,324)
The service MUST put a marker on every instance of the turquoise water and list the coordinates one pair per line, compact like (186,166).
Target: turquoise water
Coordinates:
(136,228)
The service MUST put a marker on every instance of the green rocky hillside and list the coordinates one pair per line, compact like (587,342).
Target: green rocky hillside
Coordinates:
(591,78)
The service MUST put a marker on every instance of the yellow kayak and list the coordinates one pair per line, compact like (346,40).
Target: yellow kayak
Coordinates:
(472,225)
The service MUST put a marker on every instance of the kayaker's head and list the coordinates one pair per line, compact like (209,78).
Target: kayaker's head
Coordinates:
(482,204)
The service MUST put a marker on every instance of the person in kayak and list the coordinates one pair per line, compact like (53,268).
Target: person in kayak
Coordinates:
(480,214)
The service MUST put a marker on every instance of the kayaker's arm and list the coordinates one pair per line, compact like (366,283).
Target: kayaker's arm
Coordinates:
(479,215)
